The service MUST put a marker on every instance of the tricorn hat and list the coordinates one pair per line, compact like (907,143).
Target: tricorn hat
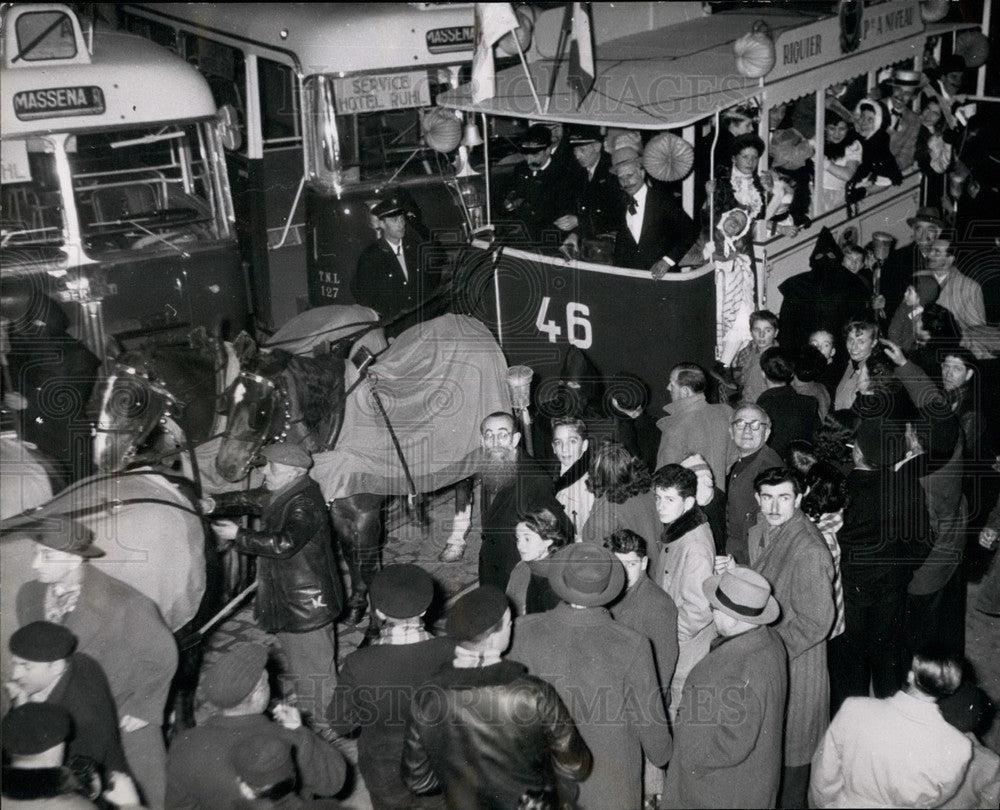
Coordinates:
(585,574)
(743,594)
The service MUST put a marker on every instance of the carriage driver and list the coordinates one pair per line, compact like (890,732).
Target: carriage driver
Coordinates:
(299,592)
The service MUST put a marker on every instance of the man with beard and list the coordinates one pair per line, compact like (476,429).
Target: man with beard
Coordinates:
(512,484)
(825,297)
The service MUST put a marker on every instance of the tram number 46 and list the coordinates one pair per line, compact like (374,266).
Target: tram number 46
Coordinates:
(578,329)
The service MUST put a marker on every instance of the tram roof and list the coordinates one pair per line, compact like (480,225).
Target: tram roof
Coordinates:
(331,37)
(141,83)
(675,76)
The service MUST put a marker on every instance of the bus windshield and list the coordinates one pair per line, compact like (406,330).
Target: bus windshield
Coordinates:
(143,188)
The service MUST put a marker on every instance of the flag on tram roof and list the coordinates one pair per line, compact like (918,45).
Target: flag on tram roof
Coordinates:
(493,20)
(581,50)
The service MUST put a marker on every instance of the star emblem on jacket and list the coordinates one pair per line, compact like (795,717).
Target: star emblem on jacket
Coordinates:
(317,601)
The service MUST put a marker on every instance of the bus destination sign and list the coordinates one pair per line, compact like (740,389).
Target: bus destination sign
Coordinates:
(58,102)
(382,91)
(454,38)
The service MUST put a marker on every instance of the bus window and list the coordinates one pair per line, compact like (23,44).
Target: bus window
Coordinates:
(279,112)
(224,69)
(150,29)
(32,210)
(143,188)
(45,35)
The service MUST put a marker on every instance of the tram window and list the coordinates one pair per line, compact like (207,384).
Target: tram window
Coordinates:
(150,29)
(32,211)
(45,35)
(278,112)
(142,188)
(224,69)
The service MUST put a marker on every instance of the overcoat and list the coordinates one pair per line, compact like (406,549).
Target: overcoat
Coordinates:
(380,283)
(604,673)
(794,558)
(729,726)
(694,425)
(648,610)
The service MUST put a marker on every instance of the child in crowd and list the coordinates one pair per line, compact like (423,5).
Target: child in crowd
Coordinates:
(539,534)
(826,343)
(746,366)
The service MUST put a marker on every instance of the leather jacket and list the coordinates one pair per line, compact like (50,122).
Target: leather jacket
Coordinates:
(298,580)
(491,734)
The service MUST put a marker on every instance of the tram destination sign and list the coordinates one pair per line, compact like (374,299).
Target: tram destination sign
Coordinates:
(453,38)
(58,102)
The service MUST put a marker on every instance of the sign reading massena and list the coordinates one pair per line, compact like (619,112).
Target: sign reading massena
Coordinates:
(809,46)
(382,91)
(453,38)
(57,102)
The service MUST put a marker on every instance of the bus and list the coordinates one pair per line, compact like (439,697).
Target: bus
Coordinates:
(326,117)
(679,79)
(115,198)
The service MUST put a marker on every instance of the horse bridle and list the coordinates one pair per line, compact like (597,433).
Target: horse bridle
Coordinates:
(163,394)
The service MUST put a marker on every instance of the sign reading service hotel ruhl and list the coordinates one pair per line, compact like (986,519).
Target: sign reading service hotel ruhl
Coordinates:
(58,102)
(810,46)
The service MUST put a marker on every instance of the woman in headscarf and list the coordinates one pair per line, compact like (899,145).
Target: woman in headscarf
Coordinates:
(878,167)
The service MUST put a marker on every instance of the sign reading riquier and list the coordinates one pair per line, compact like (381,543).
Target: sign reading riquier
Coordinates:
(57,102)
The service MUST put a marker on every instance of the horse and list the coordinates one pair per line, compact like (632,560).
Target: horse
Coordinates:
(422,401)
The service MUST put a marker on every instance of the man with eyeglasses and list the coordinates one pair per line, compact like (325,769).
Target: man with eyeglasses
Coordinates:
(750,430)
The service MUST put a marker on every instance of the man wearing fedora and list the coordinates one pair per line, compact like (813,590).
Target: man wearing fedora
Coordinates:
(898,270)
(393,275)
(788,550)
(904,123)
(299,592)
(377,683)
(542,190)
(122,630)
(602,670)
(200,770)
(654,232)
(47,669)
(729,725)
(486,731)
(600,201)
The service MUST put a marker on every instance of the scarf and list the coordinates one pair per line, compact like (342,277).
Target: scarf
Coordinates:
(471,659)
(579,468)
(687,522)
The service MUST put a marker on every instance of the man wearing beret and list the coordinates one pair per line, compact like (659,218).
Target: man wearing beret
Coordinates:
(299,592)
(377,683)
(392,276)
(603,671)
(485,730)
(200,769)
(122,630)
(46,669)
(718,762)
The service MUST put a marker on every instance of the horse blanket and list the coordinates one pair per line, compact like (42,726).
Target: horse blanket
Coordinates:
(317,327)
(437,382)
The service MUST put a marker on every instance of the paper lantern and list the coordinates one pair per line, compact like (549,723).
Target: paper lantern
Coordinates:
(523,32)
(442,130)
(617,138)
(668,158)
(973,47)
(934,10)
(755,52)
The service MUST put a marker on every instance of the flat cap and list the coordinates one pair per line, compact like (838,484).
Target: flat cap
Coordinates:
(291,455)
(42,642)
(475,613)
(34,728)
(263,761)
(402,591)
(235,674)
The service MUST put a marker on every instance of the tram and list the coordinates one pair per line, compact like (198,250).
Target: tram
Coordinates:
(679,79)
(115,197)
(325,118)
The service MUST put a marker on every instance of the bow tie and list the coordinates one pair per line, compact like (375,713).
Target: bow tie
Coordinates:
(633,206)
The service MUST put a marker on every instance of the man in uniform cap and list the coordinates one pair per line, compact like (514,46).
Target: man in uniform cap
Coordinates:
(719,763)
(299,592)
(541,191)
(593,661)
(122,630)
(393,275)
(486,731)
(654,232)
(200,770)
(46,669)
(600,200)
(378,683)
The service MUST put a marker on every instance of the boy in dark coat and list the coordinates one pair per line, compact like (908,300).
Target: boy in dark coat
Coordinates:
(377,683)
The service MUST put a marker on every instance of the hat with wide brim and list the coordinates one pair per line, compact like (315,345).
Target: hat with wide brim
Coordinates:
(906,78)
(586,575)
(743,594)
(927,213)
(65,534)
